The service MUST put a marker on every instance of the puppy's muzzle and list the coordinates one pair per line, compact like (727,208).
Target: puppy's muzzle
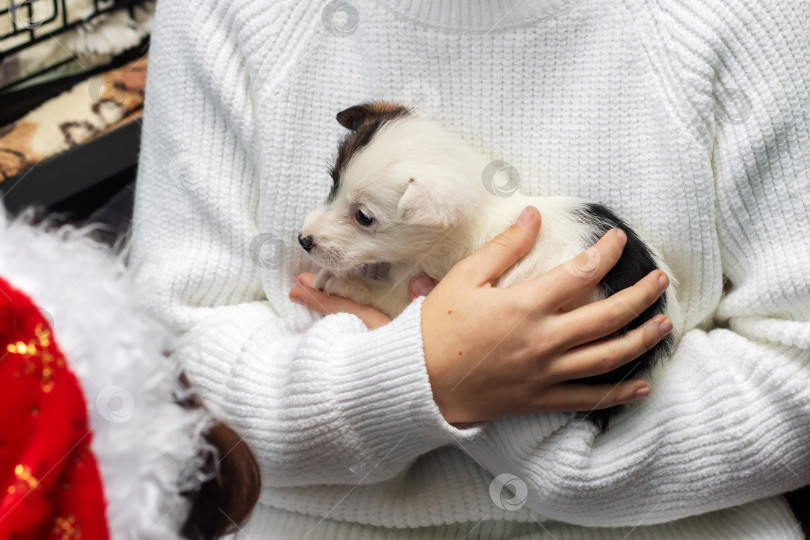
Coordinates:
(306,242)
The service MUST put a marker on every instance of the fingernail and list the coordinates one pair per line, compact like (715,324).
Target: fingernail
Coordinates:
(307,280)
(664,328)
(298,300)
(644,391)
(525,217)
(663,282)
(422,286)
(621,236)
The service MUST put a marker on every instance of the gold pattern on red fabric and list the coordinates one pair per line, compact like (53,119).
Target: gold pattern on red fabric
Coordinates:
(52,487)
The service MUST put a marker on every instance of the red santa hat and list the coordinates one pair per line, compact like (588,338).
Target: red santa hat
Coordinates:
(52,486)
(93,443)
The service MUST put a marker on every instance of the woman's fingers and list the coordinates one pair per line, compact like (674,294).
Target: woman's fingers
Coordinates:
(495,257)
(582,397)
(601,357)
(599,319)
(569,280)
(325,304)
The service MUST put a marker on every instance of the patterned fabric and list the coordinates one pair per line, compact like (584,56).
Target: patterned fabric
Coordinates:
(85,111)
(82,48)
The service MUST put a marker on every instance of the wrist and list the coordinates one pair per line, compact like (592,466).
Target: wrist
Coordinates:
(431,344)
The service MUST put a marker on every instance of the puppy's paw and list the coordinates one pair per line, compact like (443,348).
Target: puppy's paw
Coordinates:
(346,286)
(322,279)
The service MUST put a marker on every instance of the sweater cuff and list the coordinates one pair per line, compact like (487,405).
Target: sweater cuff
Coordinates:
(383,387)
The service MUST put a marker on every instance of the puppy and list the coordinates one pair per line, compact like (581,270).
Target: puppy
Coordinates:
(408,197)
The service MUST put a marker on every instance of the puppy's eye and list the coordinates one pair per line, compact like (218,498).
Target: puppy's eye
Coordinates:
(363,219)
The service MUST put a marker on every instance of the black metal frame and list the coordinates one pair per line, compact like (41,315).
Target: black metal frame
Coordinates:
(100,7)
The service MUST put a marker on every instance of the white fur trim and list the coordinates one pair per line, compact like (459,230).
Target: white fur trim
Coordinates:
(143,441)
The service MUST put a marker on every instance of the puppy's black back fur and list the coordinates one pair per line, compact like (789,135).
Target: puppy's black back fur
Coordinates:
(635,262)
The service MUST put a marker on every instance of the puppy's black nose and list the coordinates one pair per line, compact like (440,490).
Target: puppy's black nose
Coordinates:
(305,241)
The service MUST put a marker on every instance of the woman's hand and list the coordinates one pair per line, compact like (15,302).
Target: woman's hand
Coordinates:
(494,352)
(307,295)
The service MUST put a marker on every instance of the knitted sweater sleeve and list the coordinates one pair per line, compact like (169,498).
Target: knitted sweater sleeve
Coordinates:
(729,417)
(322,403)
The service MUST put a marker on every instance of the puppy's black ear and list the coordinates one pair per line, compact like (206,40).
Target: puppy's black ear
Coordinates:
(353,117)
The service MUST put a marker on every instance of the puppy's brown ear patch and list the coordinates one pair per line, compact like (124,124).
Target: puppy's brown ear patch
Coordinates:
(353,117)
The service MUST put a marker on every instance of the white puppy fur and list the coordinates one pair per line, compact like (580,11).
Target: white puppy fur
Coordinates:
(426,192)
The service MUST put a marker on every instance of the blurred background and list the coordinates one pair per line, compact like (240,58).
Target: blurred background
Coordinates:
(72,76)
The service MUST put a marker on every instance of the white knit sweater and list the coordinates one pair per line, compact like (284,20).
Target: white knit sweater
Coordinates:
(690,118)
